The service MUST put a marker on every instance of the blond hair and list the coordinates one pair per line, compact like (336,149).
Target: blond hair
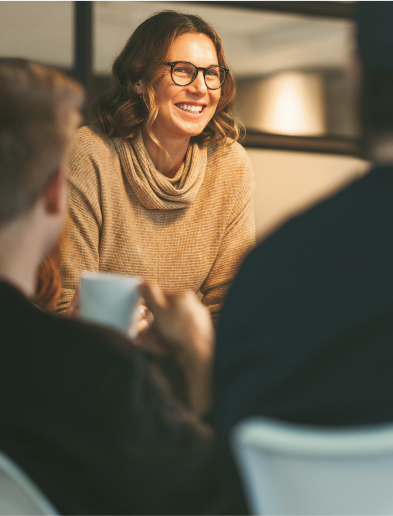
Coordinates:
(34,105)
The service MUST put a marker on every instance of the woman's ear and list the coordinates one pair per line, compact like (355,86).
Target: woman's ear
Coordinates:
(138,86)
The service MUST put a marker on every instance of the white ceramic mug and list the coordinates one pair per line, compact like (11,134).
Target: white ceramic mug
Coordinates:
(110,299)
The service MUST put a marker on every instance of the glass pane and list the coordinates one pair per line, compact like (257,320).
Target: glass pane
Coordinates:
(42,31)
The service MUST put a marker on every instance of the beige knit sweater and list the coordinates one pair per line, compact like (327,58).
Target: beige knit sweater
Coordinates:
(188,232)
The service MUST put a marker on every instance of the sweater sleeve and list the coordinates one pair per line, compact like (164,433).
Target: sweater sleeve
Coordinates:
(237,241)
(81,246)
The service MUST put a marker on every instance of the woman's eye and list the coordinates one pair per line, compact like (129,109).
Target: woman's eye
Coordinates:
(213,72)
(181,69)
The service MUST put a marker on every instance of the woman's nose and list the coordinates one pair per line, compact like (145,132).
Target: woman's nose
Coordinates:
(199,85)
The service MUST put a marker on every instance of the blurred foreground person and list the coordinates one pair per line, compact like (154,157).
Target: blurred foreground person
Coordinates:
(83,411)
(306,333)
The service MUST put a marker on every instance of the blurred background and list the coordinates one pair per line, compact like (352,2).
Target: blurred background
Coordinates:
(294,63)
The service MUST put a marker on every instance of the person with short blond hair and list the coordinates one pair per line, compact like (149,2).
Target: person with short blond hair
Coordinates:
(84,412)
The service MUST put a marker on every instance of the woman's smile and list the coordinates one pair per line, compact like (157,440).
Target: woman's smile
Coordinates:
(191,108)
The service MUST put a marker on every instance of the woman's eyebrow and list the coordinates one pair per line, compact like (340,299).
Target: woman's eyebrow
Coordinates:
(185,61)
(208,66)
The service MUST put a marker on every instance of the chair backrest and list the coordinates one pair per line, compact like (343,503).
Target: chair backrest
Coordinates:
(290,469)
(18,494)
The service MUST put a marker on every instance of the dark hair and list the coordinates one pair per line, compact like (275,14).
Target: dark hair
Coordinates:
(35,103)
(120,111)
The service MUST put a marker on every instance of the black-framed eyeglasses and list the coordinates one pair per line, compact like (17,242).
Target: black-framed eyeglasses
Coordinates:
(184,73)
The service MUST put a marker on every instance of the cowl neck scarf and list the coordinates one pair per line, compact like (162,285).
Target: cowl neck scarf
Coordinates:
(153,190)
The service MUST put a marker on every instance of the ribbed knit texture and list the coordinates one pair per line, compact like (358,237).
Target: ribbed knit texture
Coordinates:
(154,190)
(188,232)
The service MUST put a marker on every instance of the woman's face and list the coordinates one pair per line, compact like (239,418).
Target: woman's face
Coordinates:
(174,120)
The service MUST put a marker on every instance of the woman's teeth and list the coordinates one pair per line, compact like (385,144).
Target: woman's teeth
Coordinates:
(190,108)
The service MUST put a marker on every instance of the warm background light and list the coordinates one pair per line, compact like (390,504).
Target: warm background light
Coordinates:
(291,103)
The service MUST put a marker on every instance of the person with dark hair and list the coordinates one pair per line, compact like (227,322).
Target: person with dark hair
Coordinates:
(306,331)
(84,412)
(159,186)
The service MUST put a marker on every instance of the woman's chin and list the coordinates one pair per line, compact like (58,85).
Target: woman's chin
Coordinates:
(192,130)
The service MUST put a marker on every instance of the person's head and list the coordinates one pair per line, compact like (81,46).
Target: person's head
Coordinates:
(39,112)
(143,92)
(375,44)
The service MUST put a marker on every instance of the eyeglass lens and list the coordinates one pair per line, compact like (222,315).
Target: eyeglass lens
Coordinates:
(184,73)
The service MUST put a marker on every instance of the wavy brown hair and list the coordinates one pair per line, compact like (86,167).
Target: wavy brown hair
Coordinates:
(48,279)
(49,284)
(120,111)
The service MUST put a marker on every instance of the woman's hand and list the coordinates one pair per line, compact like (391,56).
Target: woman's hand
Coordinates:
(182,326)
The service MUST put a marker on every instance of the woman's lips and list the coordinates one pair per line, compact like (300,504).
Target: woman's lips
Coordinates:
(190,108)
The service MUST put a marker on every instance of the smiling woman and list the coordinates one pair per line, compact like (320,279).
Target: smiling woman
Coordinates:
(159,186)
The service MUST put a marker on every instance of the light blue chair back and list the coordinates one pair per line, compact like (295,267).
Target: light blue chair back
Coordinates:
(18,494)
(290,469)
